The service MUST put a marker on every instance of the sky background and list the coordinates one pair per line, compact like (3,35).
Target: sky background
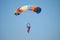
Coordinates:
(44,26)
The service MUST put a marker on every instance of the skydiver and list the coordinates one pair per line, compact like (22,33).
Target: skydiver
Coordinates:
(28,27)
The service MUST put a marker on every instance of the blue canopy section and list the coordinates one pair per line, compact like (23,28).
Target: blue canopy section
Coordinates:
(38,10)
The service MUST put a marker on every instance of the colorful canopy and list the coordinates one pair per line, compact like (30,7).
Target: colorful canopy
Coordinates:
(28,7)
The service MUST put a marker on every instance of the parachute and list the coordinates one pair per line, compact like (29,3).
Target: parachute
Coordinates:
(28,7)
(33,8)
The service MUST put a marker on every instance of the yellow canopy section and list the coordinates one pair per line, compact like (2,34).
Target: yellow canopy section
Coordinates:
(24,8)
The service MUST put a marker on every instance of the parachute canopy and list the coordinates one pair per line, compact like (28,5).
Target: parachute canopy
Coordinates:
(28,7)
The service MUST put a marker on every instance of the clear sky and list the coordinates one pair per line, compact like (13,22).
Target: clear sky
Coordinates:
(44,26)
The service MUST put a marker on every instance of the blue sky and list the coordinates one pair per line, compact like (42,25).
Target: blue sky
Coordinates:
(44,26)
